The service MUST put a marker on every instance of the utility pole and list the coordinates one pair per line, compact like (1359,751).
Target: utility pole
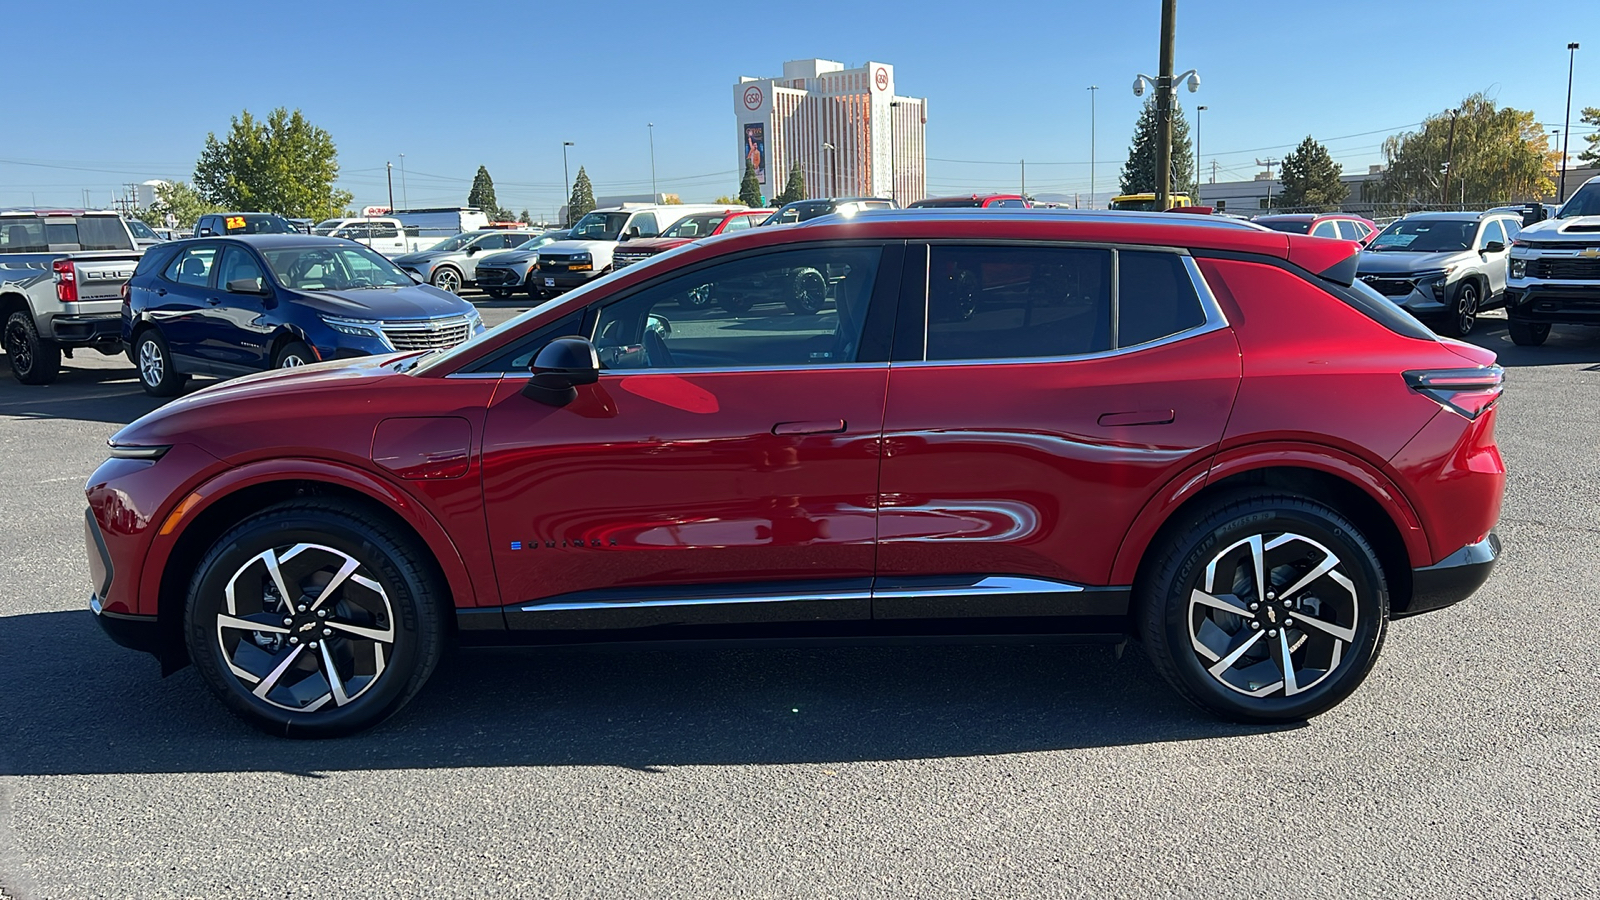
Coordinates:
(388,171)
(1566,130)
(655,197)
(404,200)
(1197,111)
(1093,89)
(1269,163)
(566,177)
(1169,15)
(1449,160)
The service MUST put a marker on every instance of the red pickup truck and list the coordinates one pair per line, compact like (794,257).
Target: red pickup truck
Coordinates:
(689,228)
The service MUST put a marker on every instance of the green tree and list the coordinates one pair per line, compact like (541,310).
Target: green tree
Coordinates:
(1500,155)
(482,196)
(179,199)
(280,164)
(795,188)
(582,199)
(1139,172)
(749,188)
(524,218)
(1310,179)
(725,200)
(1591,154)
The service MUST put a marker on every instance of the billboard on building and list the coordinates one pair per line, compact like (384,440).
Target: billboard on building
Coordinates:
(755,149)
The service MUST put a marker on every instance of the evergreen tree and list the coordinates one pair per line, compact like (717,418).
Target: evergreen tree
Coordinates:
(1590,156)
(482,194)
(795,188)
(1310,179)
(582,199)
(1139,172)
(525,218)
(749,188)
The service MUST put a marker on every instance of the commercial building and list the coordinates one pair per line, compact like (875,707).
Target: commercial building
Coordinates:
(849,130)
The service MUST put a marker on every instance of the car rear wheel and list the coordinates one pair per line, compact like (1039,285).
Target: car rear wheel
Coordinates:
(153,360)
(294,354)
(1264,608)
(1528,334)
(314,618)
(1463,314)
(447,279)
(35,359)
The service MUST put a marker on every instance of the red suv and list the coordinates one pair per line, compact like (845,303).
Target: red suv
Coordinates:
(689,228)
(1192,431)
(1329,225)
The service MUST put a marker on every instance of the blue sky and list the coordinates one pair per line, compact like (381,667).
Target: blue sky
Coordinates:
(455,85)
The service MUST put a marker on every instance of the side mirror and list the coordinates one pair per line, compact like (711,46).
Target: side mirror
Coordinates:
(1494,247)
(205,232)
(559,368)
(473,249)
(247,286)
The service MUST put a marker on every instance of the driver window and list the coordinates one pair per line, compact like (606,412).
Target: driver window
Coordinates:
(237,263)
(1492,232)
(801,307)
(738,223)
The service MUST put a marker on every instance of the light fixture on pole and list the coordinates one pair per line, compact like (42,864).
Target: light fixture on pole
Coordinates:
(894,195)
(566,176)
(388,171)
(655,197)
(403,198)
(833,151)
(1566,130)
(1165,87)
(1093,89)
(1197,111)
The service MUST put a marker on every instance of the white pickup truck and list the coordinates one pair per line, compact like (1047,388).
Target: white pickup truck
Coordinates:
(586,253)
(385,234)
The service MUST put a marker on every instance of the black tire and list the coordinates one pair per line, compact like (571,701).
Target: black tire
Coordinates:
(737,304)
(1174,623)
(497,293)
(1464,308)
(406,605)
(446,278)
(34,358)
(1528,334)
(293,354)
(152,361)
(808,292)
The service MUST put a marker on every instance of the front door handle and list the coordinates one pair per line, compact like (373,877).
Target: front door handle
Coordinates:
(828,426)
(213,300)
(1141,417)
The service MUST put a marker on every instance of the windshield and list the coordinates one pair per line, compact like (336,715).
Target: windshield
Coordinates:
(549,237)
(600,226)
(1586,202)
(342,268)
(1292,226)
(695,226)
(957,203)
(1425,236)
(1146,204)
(326,227)
(458,242)
(143,231)
(257,224)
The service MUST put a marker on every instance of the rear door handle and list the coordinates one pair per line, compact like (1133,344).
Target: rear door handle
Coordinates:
(829,426)
(1141,417)
(213,300)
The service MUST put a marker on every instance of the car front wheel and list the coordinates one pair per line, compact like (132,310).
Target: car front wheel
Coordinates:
(447,279)
(35,359)
(314,618)
(1528,334)
(1463,315)
(1264,608)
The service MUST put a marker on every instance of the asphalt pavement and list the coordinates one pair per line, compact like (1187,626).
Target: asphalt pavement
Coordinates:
(1465,766)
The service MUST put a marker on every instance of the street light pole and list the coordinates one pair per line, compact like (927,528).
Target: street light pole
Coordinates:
(1450,160)
(1093,89)
(566,177)
(830,190)
(1169,15)
(1566,129)
(388,168)
(655,198)
(1197,111)
(893,164)
(403,198)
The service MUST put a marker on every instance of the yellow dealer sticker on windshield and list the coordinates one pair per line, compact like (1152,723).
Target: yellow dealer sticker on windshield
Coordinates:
(235,222)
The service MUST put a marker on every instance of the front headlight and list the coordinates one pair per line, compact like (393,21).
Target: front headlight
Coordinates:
(582,257)
(476,318)
(367,328)
(1519,267)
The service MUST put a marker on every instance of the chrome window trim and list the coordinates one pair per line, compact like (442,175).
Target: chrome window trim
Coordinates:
(1215,318)
(998,585)
(712,370)
(994,584)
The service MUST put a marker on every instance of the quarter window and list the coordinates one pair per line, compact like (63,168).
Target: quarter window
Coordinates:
(1017,302)
(802,307)
(1155,297)
(1349,230)
(738,223)
(1325,229)
(192,266)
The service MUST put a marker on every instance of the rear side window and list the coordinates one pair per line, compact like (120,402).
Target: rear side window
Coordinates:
(1017,302)
(1325,229)
(1155,297)
(1350,231)
(385,230)
(20,235)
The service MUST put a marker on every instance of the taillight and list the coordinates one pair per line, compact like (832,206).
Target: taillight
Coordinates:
(125,292)
(1469,392)
(66,280)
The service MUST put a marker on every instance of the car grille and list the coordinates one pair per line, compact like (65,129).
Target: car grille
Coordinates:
(496,277)
(1390,287)
(623,258)
(428,334)
(1564,268)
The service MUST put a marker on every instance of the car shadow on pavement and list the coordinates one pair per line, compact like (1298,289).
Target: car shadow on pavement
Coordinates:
(1567,345)
(71,702)
(95,394)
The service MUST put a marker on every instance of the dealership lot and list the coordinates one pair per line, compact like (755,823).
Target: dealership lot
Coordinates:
(1465,765)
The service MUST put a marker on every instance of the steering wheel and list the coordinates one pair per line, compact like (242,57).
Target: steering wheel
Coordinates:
(656,354)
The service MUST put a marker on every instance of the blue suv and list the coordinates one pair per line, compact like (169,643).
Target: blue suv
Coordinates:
(233,305)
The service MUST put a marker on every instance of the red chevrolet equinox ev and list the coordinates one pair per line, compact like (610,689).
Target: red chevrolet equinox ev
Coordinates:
(1198,433)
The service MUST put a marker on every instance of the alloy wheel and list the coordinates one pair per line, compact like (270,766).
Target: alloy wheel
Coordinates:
(18,346)
(448,280)
(152,365)
(304,626)
(291,361)
(1274,616)
(1466,308)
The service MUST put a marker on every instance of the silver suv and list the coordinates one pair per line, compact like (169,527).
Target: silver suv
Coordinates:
(452,263)
(61,279)
(1445,267)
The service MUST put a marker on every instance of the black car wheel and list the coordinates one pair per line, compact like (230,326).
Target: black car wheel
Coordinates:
(34,358)
(1264,608)
(294,354)
(315,618)
(153,359)
(497,293)
(808,292)
(1528,334)
(1463,315)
